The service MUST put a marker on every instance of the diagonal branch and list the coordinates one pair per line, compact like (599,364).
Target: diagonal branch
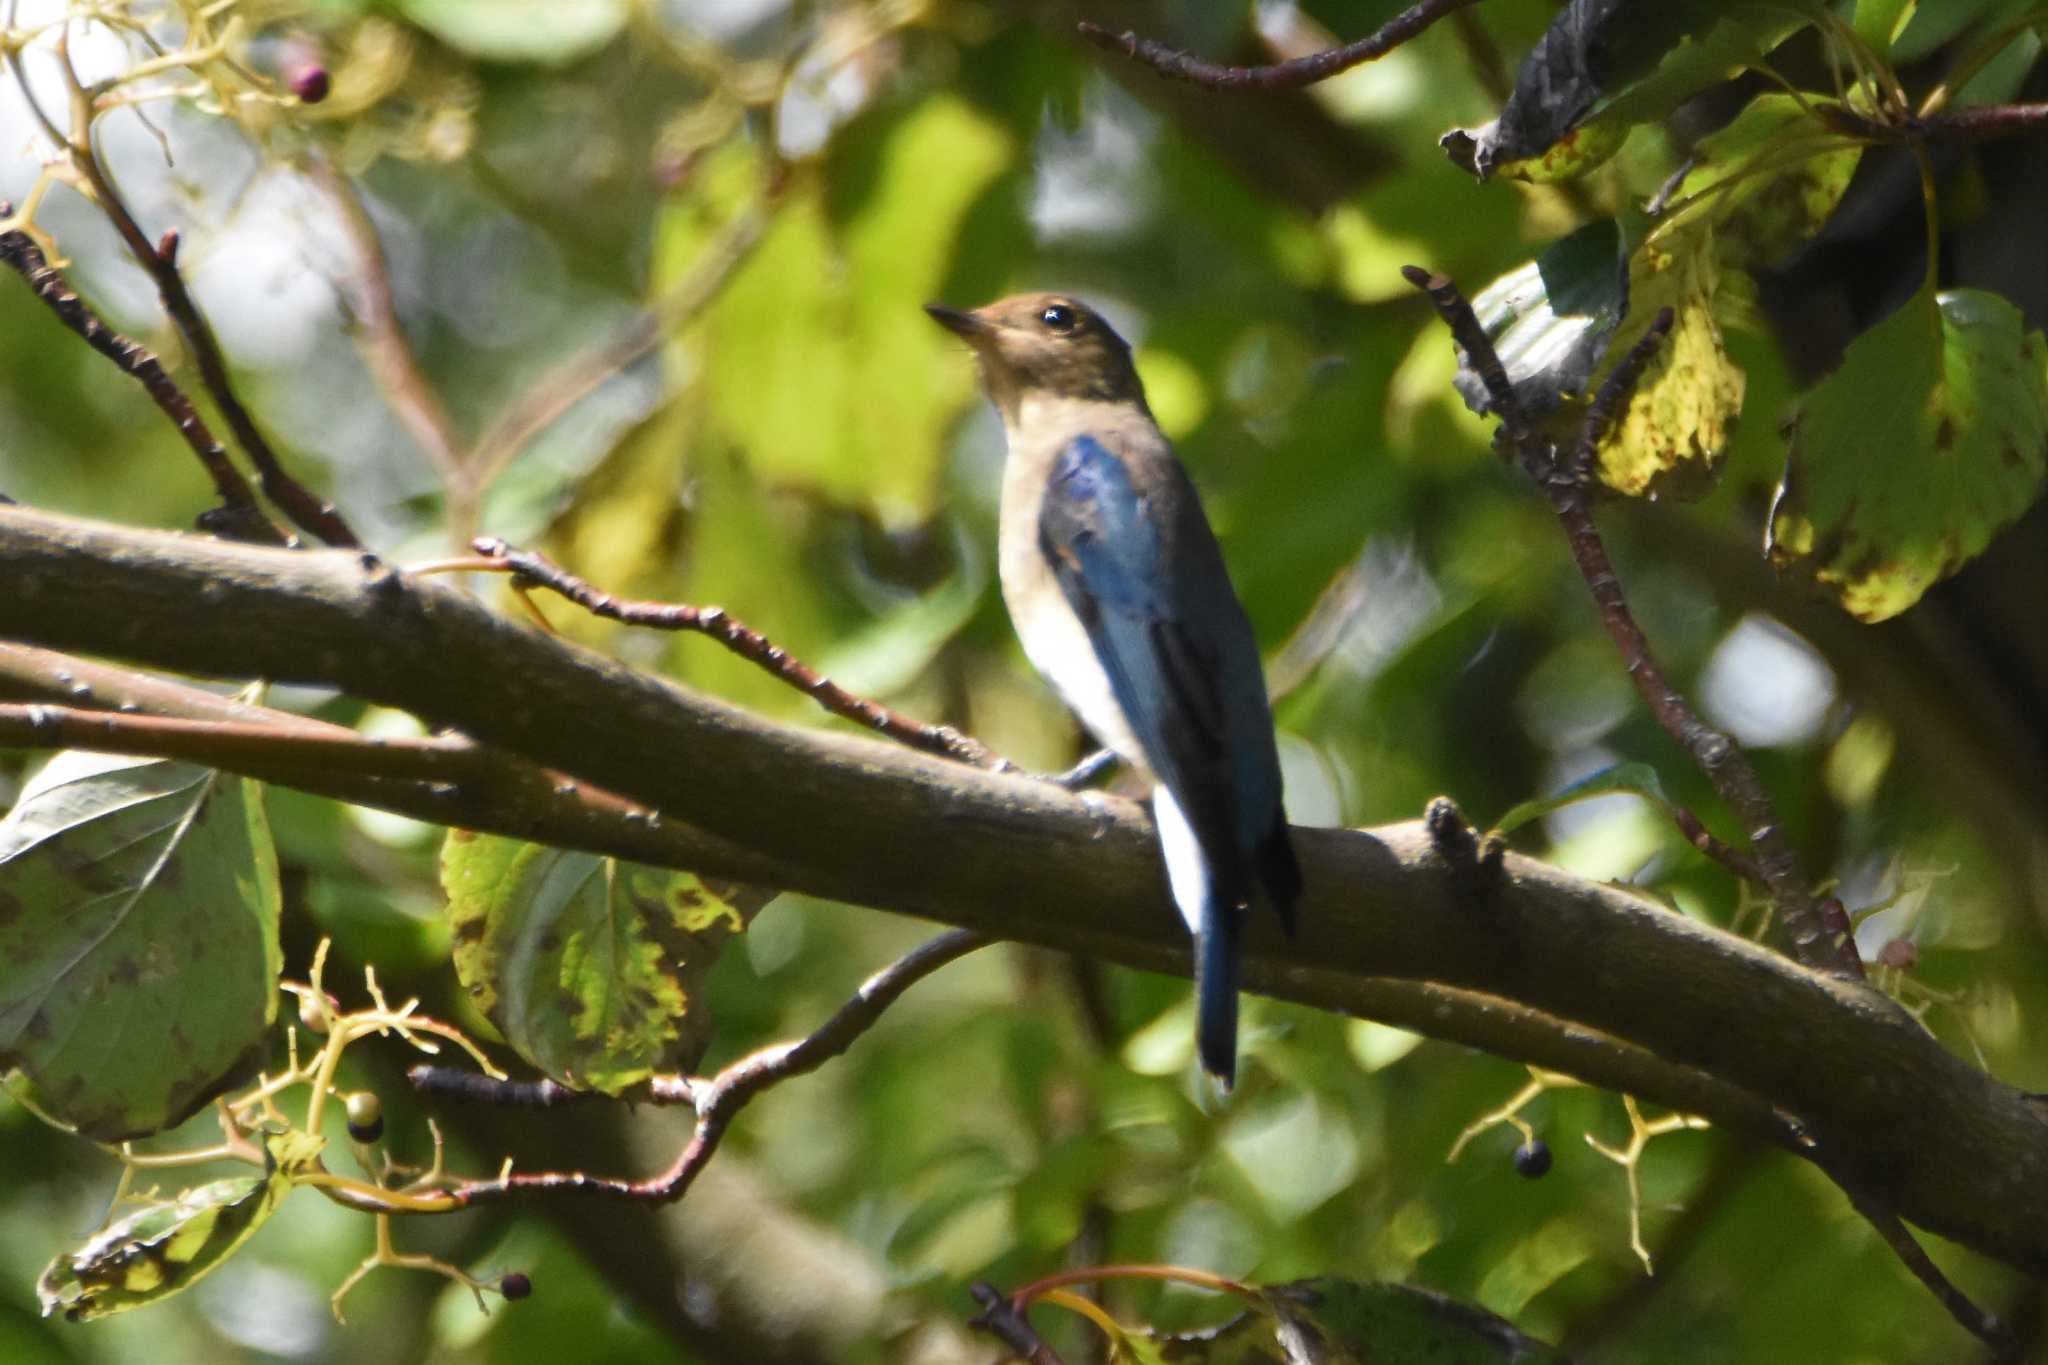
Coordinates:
(720,1098)
(1564,480)
(1178,65)
(848,818)
(238,515)
(532,567)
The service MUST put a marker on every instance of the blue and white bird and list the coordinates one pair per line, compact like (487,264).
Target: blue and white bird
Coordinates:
(1118,592)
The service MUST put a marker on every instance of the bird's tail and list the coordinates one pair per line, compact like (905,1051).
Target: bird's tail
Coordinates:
(1216,956)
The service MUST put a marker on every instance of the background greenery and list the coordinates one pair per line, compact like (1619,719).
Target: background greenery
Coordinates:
(806,450)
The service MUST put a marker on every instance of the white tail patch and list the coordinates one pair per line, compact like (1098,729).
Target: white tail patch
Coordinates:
(1187,871)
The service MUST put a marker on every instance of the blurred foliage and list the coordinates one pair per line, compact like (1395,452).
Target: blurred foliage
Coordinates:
(801,447)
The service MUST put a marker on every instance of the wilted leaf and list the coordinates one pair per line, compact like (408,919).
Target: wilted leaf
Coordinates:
(818,362)
(1604,66)
(138,939)
(1561,323)
(163,1248)
(592,968)
(1766,183)
(1930,437)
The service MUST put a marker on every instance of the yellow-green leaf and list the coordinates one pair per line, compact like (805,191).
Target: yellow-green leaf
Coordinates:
(591,967)
(818,362)
(1930,437)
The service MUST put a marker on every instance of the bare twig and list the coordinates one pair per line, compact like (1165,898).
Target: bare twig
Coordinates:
(1564,481)
(159,260)
(1178,65)
(238,516)
(743,640)
(720,1099)
(555,394)
(1001,1320)
(450,1082)
(385,347)
(1979,1322)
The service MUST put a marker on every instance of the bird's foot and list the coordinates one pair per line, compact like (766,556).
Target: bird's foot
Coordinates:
(1086,771)
(1474,860)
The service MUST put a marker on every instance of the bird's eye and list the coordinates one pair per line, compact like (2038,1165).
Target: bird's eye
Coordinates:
(1057,317)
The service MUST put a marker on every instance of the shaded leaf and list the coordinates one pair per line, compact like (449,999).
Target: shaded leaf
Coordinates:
(592,968)
(1342,1322)
(165,1247)
(1632,779)
(1930,437)
(138,939)
(1551,319)
(1604,66)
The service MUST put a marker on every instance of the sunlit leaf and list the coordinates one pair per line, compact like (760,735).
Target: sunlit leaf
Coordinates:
(165,1247)
(1601,68)
(592,968)
(549,32)
(1930,437)
(818,362)
(138,939)
(1561,323)
(1766,183)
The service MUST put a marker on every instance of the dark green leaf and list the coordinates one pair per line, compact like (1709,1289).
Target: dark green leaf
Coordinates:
(138,939)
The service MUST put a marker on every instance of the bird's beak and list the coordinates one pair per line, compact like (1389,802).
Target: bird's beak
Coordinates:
(969,325)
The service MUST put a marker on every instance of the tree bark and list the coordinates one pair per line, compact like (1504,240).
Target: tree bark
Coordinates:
(1540,961)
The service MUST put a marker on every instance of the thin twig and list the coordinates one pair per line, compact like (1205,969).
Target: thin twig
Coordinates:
(720,1099)
(385,347)
(238,516)
(546,402)
(743,640)
(473,1087)
(1001,1320)
(1180,65)
(1564,481)
(159,260)
(1980,1323)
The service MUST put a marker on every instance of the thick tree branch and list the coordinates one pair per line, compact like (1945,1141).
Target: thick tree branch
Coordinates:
(1883,1105)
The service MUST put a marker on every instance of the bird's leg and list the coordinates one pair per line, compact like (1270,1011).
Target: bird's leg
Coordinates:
(1086,771)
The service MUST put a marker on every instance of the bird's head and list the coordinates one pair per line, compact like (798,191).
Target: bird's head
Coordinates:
(1045,346)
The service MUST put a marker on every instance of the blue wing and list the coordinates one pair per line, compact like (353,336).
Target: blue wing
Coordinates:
(1142,570)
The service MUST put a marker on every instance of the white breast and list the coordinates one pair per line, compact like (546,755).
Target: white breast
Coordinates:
(1053,637)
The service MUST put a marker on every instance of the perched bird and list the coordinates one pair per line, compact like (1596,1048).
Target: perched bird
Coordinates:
(1117,589)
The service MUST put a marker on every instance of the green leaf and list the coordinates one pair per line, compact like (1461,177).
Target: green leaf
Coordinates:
(138,939)
(1930,437)
(592,968)
(817,360)
(1877,21)
(548,32)
(1766,183)
(165,1247)
(1630,779)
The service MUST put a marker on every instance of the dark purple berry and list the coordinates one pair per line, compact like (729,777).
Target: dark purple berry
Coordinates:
(309,82)
(515,1285)
(1532,1159)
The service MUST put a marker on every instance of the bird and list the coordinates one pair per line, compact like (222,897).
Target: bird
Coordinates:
(1118,592)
